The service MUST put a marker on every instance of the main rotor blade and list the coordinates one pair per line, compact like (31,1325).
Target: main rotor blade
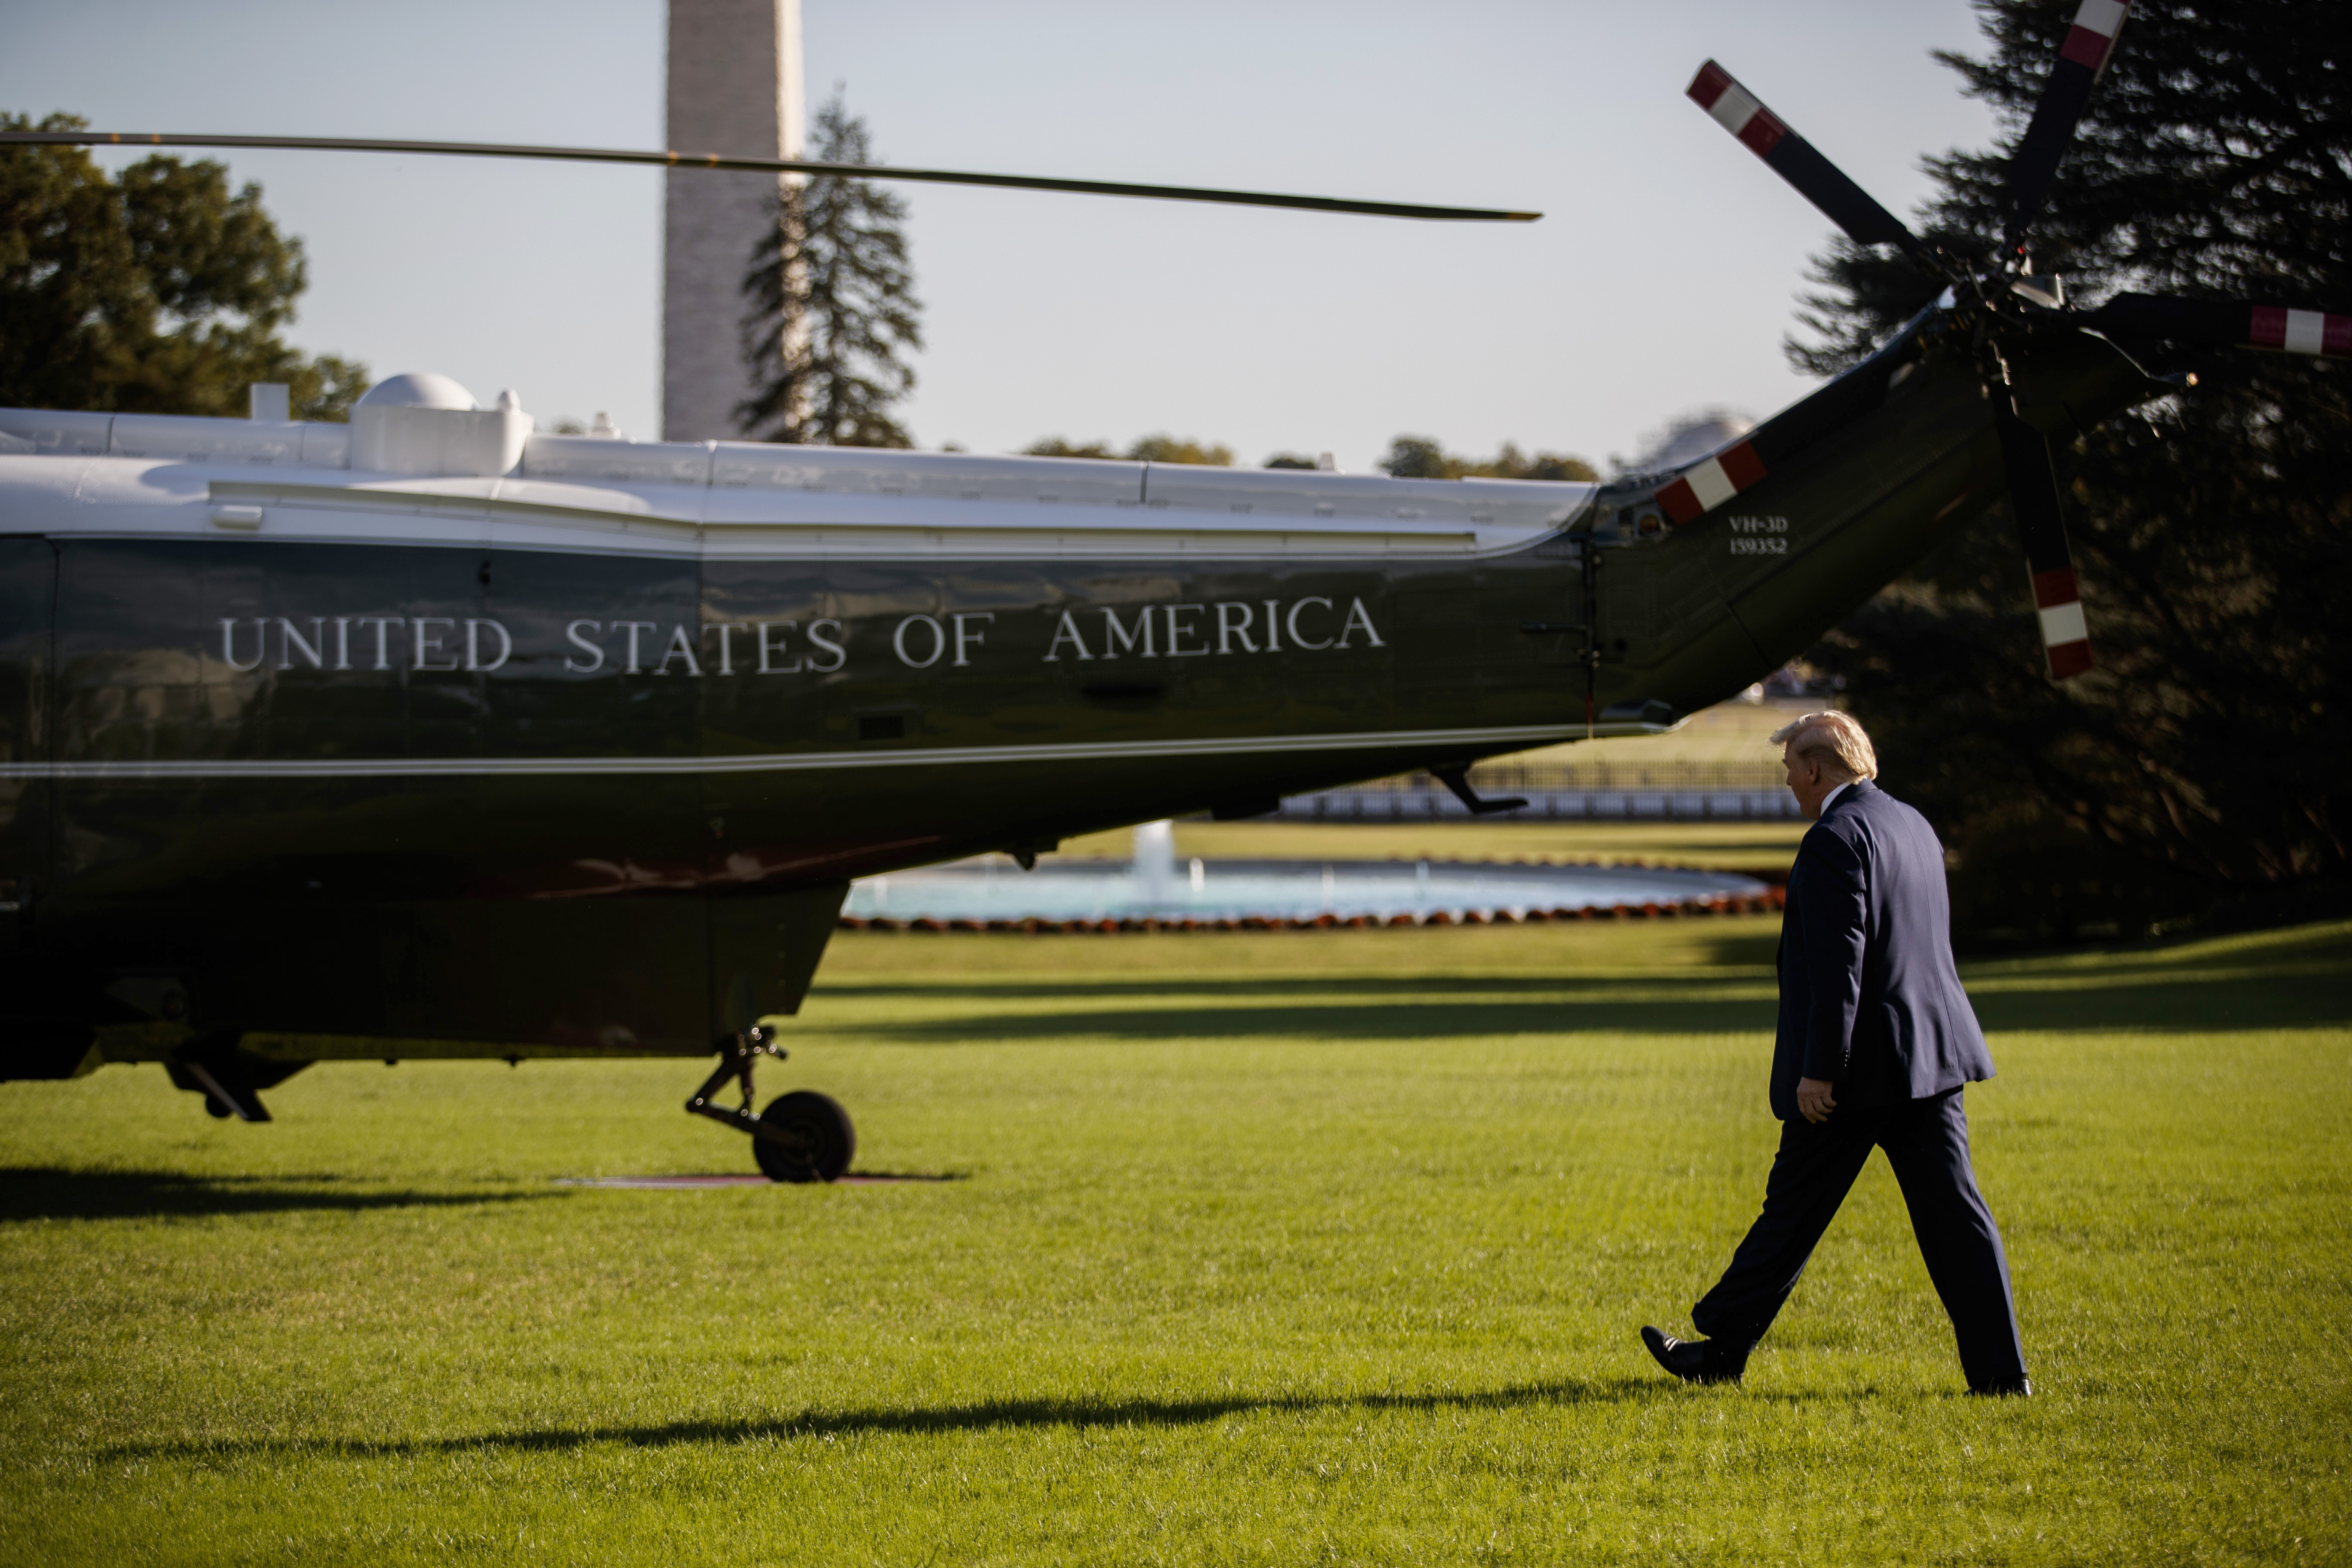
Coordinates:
(2042,525)
(1795,160)
(777,166)
(2080,58)
(2231,323)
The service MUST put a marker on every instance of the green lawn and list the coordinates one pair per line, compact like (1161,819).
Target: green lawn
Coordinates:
(1291,1248)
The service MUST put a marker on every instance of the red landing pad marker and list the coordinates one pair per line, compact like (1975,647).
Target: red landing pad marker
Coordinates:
(733,1179)
(663,1182)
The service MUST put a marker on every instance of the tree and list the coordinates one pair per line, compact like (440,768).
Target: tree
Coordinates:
(1169,450)
(832,306)
(2208,758)
(154,293)
(1424,457)
(1148,449)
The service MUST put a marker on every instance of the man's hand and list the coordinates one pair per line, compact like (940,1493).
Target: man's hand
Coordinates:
(1816,1098)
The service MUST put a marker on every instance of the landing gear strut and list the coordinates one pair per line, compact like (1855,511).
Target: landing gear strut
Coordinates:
(803,1136)
(230,1079)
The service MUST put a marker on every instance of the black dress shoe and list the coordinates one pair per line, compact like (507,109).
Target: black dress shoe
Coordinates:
(1695,1360)
(2018,1387)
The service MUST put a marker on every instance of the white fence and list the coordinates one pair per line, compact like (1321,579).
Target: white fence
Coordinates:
(1680,792)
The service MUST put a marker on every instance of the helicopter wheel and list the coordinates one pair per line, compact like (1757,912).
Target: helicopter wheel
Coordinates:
(818,1141)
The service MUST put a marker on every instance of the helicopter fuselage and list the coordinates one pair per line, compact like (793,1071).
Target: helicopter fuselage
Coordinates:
(578,757)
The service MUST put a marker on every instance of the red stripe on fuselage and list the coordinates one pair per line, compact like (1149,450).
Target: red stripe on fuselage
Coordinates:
(1741,466)
(1680,502)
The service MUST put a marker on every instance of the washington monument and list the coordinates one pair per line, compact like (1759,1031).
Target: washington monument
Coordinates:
(734,87)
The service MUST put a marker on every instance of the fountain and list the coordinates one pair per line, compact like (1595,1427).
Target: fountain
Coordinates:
(1153,861)
(1147,893)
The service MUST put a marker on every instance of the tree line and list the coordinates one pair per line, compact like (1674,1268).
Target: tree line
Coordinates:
(157,291)
(160,291)
(2203,771)
(1407,457)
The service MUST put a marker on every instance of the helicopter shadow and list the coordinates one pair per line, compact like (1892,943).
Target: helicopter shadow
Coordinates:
(1749,951)
(979,1417)
(1289,985)
(1339,1020)
(34,1193)
(2136,1001)
(2124,997)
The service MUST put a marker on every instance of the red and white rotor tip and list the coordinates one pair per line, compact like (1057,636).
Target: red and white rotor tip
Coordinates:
(2065,635)
(2094,32)
(2300,332)
(1736,110)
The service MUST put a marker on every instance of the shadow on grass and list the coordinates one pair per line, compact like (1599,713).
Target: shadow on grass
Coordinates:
(987,1416)
(1186,987)
(42,1193)
(2076,1000)
(1338,1021)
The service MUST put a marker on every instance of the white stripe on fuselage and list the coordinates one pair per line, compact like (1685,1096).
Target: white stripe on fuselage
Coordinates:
(1514,737)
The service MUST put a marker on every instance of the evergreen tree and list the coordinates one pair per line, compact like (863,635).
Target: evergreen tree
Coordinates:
(833,305)
(154,293)
(2209,757)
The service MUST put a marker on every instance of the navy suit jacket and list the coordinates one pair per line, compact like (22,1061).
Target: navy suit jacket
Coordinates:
(1870,998)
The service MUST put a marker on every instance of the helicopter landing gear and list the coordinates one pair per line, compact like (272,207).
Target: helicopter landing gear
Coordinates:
(821,1140)
(230,1079)
(803,1136)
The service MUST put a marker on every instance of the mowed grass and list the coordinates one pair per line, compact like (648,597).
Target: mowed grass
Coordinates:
(1289,1248)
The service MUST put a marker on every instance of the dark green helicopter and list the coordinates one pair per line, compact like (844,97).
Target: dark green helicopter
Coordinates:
(431,736)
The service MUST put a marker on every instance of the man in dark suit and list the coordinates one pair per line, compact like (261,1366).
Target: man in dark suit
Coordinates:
(1875,1041)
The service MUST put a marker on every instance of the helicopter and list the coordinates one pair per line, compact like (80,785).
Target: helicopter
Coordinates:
(434,736)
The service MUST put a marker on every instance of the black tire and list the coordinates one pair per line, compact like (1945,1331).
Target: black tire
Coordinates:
(819,1142)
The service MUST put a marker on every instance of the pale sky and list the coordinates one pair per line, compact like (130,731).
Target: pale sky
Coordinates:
(1662,278)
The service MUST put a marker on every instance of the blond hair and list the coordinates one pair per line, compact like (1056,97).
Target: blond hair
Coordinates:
(1831,739)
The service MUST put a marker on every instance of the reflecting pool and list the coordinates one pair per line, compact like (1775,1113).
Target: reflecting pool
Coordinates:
(1157,886)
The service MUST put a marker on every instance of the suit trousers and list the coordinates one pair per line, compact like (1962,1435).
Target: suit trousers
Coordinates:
(1927,1142)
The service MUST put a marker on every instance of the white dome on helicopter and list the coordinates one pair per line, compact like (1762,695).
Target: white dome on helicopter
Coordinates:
(420,423)
(418,389)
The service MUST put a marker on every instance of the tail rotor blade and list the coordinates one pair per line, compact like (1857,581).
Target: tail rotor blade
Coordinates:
(2034,491)
(1797,161)
(2228,324)
(2080,58)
